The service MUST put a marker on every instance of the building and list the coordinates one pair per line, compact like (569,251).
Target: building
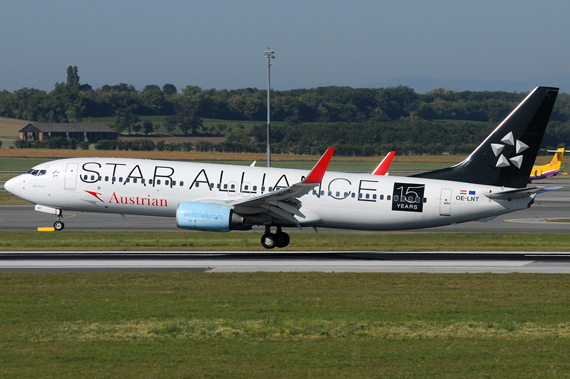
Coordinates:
(81,132)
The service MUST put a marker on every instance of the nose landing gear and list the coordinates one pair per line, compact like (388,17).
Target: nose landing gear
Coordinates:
(59,225)
(270,240)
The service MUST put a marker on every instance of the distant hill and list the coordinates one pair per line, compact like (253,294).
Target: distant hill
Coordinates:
(422,84)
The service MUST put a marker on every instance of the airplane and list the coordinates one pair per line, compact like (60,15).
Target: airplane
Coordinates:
(491,181)
(382,168)
(550,169)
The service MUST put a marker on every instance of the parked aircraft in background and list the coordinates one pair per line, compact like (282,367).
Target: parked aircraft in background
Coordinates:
(213,197)
(550,169)
(382,168)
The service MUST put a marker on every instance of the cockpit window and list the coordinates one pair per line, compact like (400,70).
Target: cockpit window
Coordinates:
(42,172)
(30,171)
(35,172)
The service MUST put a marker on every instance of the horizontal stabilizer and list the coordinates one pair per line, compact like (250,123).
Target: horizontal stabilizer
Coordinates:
(513,194)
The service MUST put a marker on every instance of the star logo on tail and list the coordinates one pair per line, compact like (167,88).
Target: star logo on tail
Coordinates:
(502,161)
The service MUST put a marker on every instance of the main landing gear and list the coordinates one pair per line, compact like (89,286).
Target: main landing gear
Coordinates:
(59,225)
(270,240)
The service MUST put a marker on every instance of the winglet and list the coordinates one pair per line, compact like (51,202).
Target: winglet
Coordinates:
(383,167)
(317,173)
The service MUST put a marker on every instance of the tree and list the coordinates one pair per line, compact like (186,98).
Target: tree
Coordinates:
(169,89)
(169,124)
(148,127)
(153,99)
(125,120)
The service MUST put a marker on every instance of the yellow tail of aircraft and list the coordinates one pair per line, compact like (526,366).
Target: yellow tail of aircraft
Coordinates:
(550,169)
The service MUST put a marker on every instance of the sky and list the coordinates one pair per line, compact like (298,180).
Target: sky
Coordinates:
(220,44)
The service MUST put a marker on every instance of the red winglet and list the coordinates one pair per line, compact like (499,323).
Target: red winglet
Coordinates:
(383,167)
(317,173)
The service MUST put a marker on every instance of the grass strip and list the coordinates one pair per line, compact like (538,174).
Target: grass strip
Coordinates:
(286,325)
(245,241)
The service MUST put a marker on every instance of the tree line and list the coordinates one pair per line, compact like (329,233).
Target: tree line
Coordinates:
(360,121)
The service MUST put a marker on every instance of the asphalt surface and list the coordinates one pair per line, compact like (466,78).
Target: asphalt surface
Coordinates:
(548,206)
(425,262)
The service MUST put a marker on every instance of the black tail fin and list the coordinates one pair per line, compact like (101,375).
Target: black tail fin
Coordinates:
(506,156)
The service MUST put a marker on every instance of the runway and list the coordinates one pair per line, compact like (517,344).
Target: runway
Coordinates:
(548,206)
(362,262)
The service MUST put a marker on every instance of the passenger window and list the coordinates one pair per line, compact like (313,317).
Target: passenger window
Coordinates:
(425,200)
(368,196)
(353,195)
(106,178)
(225,186)
(150,181)
(388,197)
(255,188)
(113,179)
(314,193)
(218,185)
(120,179)
(270,189)
(360,196)
(174,182)
(246,188)
(92,177)
(337,194)
(233,186)
(134,180)
(197,184)
(158,181)
(84,176)
(396,197)
(166,182)
(127,180)
(322,193)
(262,189)
(374,197)
(211,185)
(142,181)
(381,197)
(417,199)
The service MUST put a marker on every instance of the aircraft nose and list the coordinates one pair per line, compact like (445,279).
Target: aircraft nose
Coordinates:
(13,185)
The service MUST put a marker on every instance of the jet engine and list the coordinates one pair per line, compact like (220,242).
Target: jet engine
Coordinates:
(207,217)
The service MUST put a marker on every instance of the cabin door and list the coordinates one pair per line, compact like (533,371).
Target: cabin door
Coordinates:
(445,202)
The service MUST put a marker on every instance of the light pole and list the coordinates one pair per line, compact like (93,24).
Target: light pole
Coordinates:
(269,54)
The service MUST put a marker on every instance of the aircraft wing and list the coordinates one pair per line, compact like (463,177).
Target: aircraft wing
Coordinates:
(284,203)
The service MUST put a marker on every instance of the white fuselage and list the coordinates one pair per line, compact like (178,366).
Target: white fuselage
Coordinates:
(343,200)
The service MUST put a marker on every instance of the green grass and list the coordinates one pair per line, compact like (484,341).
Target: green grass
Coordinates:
(307,240)
(287,325)
(20,164)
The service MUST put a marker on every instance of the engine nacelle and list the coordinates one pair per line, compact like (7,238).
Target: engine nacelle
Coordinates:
(207,217)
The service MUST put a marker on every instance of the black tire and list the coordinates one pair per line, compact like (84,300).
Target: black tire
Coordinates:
(58,225)
(268,241)
(282,239)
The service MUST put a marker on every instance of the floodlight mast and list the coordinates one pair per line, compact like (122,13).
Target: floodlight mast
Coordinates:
(269,54)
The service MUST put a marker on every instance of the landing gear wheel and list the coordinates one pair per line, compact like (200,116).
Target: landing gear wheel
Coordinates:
(282,239)
(268,240)
(58,225)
